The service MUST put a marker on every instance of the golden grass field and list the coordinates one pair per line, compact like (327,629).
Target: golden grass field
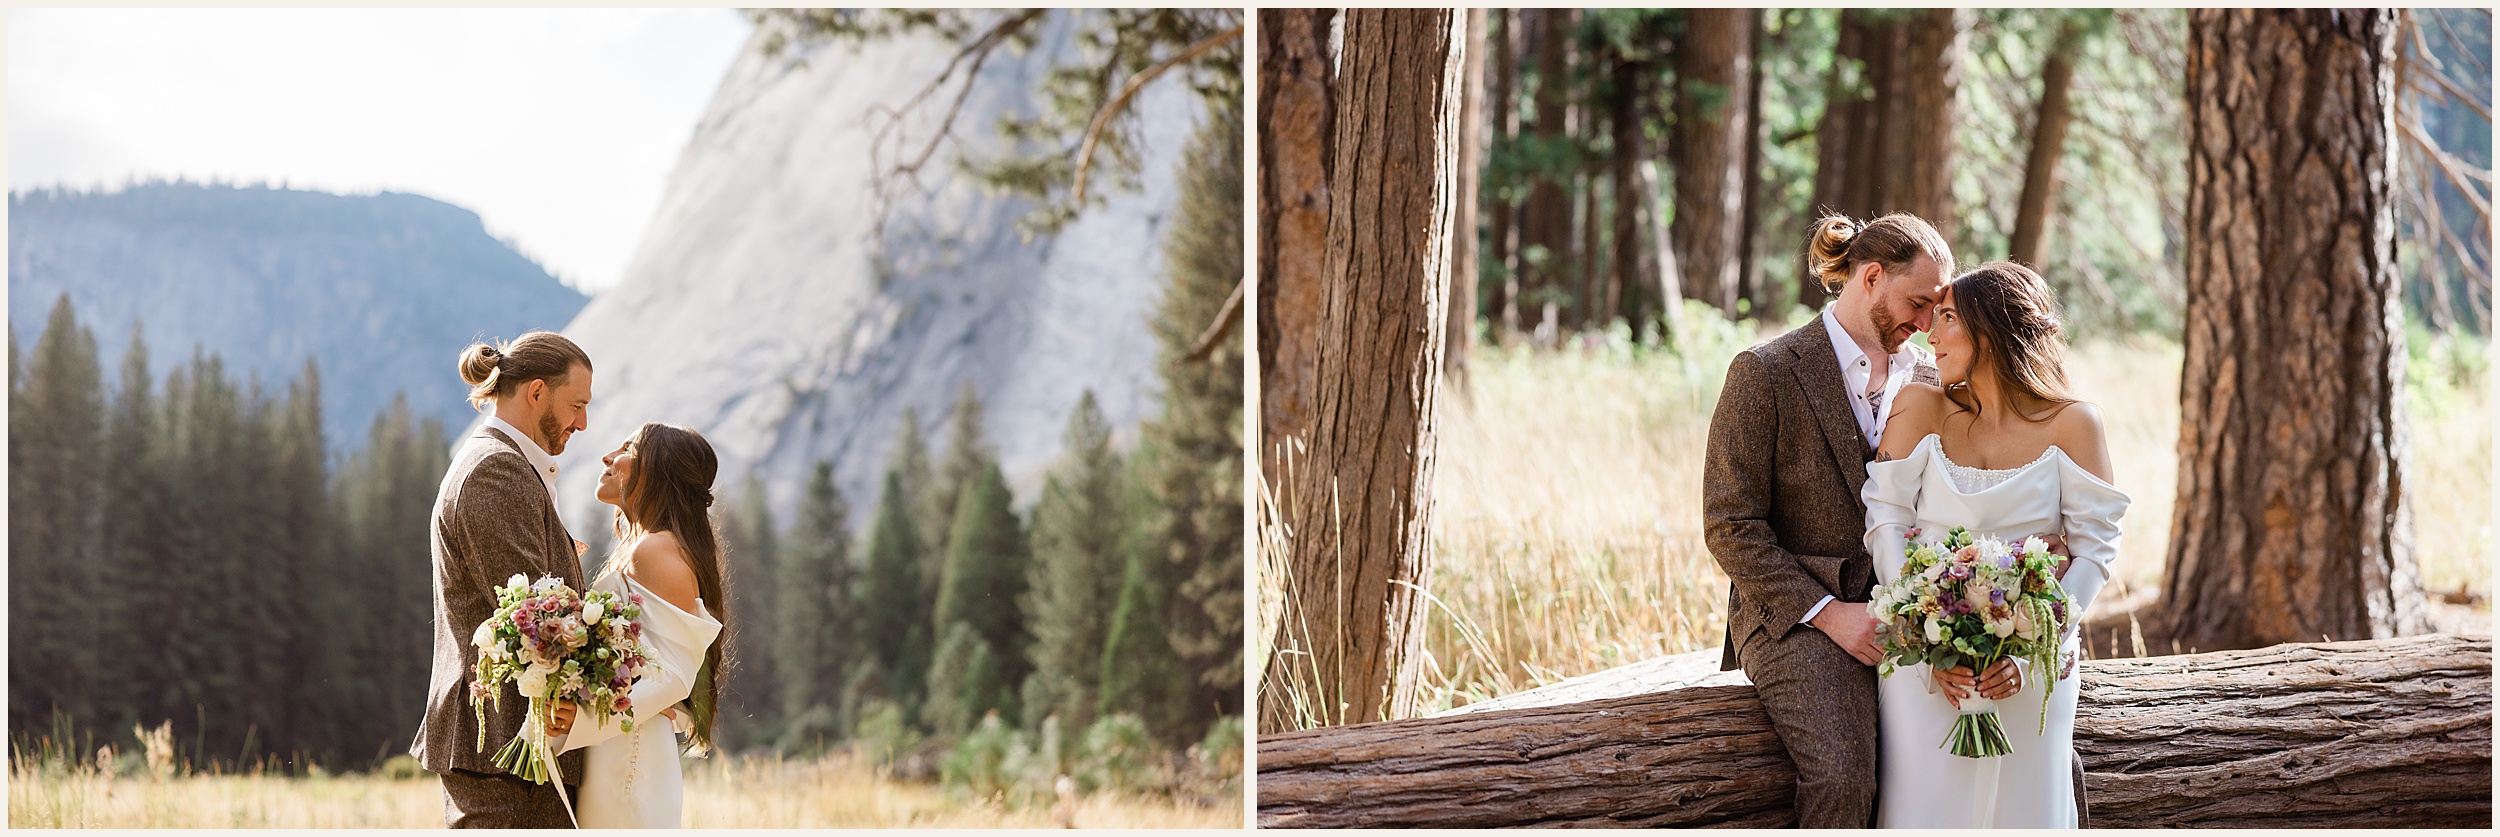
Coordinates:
(833,792)
(1568,520)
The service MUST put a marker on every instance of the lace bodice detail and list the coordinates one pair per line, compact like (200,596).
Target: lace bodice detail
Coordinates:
(1971,480)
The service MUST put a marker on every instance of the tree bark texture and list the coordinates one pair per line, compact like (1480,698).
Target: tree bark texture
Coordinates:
(2292,522)
(1471,148)
(1883,146)
(1545,222)
(2048,144)
(1503,227)
(1296,123)
(1360,515)
(1707,148)
(2350,734)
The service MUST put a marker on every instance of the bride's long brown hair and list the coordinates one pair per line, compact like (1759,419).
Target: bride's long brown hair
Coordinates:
(2012,318)
(670,490)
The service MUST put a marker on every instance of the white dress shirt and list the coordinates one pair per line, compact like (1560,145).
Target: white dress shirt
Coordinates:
(1872,406)
(540,462)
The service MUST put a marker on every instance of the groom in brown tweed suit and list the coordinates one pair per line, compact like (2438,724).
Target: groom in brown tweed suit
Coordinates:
(495,517)
(1798,420)
(1796,423)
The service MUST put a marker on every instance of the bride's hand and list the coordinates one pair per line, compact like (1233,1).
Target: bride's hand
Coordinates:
(1956,683)
(2002,680)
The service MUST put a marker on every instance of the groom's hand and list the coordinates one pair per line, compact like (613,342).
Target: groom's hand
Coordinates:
(563,722)
(1849,626)
(2057,547)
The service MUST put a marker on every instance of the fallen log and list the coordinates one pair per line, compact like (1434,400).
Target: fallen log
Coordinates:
(2393,732)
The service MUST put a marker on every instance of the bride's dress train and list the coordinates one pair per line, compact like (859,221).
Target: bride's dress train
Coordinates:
(631,780)
(1922,785)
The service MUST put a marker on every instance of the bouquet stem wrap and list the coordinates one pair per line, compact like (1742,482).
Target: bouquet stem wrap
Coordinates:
(1977,733)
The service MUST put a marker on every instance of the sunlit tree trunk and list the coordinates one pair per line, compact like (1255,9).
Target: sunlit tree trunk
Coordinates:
(1296,120)
(1463,269)
(1504,227)
(1708,150)
(2292,522)
(1545,222)
(2048,143)
(1351,625)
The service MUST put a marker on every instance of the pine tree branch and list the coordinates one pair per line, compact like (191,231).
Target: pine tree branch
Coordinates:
(1119,103)
(1223,325)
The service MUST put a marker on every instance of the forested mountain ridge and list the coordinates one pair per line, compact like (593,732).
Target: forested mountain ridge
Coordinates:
(382,291)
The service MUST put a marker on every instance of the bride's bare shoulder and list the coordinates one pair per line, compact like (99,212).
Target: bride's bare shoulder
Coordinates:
(2079,431)
(660,566)
(1916,410)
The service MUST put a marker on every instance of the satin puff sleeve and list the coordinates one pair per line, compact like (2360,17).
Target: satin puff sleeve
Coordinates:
(1891,496)
(2089,510)
(674,639)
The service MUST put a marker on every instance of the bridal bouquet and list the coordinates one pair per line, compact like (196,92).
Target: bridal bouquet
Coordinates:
(553,644)
(1974,601)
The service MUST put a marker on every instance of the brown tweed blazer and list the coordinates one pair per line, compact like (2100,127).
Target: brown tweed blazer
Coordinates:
(492,518)
(1780,481)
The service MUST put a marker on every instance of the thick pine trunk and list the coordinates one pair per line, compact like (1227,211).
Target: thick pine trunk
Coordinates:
(1625,279)
(1351,624)
(2048,143)
(1296,118)
(2292,522)
(1545,222)
(1749,285)
(1880,150)
(1471,147)
(2352,734)
(1707,147)
(1504,227)
(1842,114)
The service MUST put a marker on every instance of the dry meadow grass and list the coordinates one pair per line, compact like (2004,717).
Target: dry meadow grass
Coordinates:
(834,792)
(1568,519)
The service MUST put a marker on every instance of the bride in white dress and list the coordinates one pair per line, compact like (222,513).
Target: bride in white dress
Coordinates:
(2002,450)
(661,483)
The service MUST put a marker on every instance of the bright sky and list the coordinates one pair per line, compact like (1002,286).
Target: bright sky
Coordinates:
(557,126)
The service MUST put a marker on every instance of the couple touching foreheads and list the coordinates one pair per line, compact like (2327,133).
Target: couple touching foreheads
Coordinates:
(496,517)
(1832,441)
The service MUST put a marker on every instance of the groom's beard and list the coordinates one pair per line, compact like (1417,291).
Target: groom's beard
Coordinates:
(551,434)
(1887,329)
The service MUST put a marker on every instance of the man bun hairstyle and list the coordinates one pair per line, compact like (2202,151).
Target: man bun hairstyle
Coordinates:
(1838,244)
(494,370)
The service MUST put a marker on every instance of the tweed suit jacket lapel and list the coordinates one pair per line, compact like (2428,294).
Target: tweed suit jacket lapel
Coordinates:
(1817,371)
(544,499)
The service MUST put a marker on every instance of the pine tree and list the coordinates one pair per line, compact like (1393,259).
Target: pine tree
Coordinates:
(967,452)
(1188,564)
(55,524)
(751,692)
(306,714)
(386,512)
(819,625)
(983,587)
(1140,674)
(1078,525)
(130,563)
(894,626)
(963,682)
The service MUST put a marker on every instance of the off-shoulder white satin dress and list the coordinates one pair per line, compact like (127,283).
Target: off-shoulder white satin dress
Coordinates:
(631,780)
(1923,786)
